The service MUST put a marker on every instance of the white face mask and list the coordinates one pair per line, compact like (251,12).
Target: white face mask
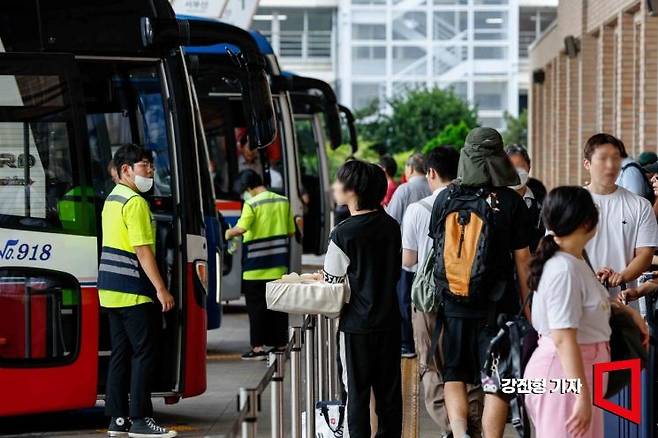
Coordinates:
(523,176)
(143,184)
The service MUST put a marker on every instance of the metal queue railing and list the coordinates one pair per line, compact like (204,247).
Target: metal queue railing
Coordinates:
(316,338)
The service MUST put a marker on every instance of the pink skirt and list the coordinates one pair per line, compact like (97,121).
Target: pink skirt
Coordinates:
(550,411)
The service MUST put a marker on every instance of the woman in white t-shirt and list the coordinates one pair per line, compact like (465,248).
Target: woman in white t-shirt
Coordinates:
(571,312)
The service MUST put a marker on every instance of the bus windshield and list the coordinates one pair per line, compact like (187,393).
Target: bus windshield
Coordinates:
(37,173)
(133,112)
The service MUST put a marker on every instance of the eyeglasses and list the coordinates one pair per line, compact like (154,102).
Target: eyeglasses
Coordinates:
(146,164)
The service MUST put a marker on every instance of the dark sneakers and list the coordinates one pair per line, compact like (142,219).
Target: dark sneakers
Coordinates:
(146,428)
(255,355)
(119,427)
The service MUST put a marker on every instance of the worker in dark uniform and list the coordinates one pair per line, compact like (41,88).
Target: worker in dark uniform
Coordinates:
(129,282)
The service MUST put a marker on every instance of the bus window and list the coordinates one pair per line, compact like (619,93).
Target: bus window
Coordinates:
(230,152)
(39,186)
(133,113)
(46,323)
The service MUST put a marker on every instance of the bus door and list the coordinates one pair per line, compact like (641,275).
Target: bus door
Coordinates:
(316,189)
(212,220)
(48,240)
(126,102)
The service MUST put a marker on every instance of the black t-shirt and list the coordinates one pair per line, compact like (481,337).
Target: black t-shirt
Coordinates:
(366,251)
(511,230)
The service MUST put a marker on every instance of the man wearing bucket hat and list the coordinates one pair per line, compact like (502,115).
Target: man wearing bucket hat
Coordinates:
(479,225)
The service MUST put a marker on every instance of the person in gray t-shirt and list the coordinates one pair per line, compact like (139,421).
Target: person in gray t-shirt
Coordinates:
(415,189)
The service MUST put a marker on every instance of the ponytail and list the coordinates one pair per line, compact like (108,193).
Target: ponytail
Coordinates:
(545,250)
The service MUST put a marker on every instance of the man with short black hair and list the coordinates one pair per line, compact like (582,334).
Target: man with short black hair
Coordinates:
(364,252)
(266,224)
(627,234)
(415,189)
(128,283)
(416,247)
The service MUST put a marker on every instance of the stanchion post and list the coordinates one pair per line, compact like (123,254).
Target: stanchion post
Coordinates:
(279,359)
(250,422)
(310,379)
(332,373)
(296,382)
(322,357)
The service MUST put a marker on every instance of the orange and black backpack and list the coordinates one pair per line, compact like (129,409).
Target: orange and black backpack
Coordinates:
(461,244)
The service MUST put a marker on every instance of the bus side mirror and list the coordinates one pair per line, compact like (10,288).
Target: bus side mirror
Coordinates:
(351,127)
(333,124)
(258,109)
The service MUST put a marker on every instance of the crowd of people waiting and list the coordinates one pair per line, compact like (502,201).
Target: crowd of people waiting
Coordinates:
(492,238)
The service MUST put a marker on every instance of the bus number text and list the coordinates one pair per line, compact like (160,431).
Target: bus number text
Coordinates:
(14,250)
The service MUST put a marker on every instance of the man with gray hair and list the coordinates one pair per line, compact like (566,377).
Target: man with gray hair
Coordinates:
(415,189)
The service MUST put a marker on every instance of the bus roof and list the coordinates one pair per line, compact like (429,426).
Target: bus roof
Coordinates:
(264,46)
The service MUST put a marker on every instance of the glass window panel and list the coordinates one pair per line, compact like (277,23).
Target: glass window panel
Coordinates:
(38,178)
(447,58)
(368,2)
(363,93)
(416,2)
(369,60)
(450,2)
(492,122)
(490,53)
(319,19)
(459,88)
(490,95)
(291,19)
(547,17)
(262,21)
(368,31)
(490,2)
(409,60)
(490,25)
(450,25)
(403,87)
(411,25)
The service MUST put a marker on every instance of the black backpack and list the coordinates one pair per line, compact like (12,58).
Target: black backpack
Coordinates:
(461,244)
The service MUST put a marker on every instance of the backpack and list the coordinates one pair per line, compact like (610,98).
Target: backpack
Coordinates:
(462,245)
(647,189)
(423,288)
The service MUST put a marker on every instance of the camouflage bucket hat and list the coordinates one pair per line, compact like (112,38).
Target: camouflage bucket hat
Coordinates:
(483,161)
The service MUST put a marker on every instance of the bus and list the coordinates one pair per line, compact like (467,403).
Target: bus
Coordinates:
(229,144)
(77,80)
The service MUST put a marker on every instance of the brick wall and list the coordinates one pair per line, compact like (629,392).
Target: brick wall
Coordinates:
(612,85)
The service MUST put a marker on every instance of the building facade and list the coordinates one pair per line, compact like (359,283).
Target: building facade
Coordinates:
(606,81)
(378,49)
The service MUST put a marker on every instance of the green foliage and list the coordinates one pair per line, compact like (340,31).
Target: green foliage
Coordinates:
(452,134)
(337,157)
(413,119)
(517,128)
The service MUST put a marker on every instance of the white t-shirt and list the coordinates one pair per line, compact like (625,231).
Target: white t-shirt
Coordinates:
(570,296)
(416,227)
(626,222)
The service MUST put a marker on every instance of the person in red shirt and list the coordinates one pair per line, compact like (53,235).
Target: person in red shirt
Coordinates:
(390,167)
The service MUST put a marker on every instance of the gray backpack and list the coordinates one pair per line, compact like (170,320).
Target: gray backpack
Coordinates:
(423,288)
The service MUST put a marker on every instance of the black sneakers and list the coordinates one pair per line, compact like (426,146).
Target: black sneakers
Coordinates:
(146,428)
(119,427)
(255,355)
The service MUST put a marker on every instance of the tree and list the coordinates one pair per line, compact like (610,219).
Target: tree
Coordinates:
(517,128)
(413,119)
(453,135)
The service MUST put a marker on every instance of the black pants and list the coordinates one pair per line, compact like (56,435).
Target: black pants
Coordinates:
(404,300)
(131,362)
(266,327)
(372,361)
